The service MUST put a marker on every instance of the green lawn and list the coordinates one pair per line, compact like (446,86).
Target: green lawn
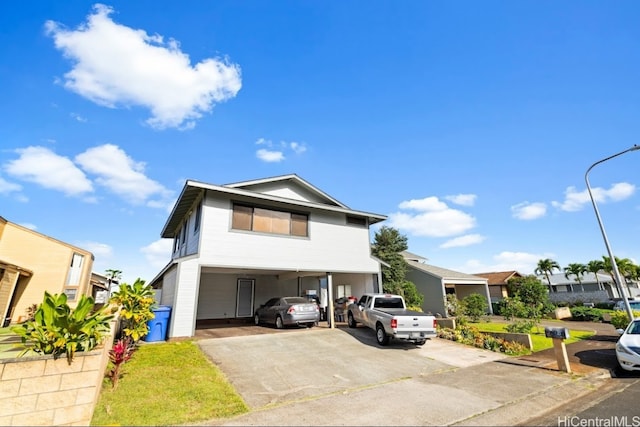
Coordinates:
(167,384)
(538,339)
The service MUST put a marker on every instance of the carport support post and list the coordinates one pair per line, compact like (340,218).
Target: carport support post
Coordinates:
(561,355)
(330,316)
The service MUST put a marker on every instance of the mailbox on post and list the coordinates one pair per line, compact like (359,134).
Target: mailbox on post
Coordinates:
(561,333)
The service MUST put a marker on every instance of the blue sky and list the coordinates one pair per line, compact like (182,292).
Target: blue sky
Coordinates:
(470,124)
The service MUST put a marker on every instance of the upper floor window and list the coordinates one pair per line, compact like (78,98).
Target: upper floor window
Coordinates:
(269,221)
(196,224)
(75,270)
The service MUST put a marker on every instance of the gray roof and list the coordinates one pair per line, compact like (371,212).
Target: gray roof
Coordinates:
(445,274)
(587,278)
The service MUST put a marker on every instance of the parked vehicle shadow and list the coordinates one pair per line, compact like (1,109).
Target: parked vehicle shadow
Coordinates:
(368,337)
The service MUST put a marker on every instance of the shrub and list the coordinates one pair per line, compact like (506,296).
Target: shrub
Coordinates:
(586,314)
(452,304)
(520,326)
(475,306)
(471,336)
(121,352)
(57,329)
(135,303)
(620,320)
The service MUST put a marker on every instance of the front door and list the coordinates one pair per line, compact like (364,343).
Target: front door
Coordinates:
(244,303)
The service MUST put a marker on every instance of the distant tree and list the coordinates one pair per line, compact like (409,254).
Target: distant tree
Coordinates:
(546,267)
(577,270)
(112,276)
(594,267)
(388,246)
(626,268)
(531,297)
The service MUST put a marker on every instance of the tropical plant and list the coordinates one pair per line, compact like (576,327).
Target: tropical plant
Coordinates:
(121,352)
(113,275)
(546,267)
(474,306)
(594,267)
(576,269)
(135,302)
(620,319)
(530,300)
(626,268)
(57,329)
(452,304)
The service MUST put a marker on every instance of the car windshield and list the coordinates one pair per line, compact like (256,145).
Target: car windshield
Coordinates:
(296,300)
(634,328)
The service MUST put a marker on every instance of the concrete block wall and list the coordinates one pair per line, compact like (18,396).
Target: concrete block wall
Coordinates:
(44,391)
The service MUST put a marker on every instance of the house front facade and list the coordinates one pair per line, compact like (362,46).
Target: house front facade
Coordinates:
(237,245)
(498,282)
(32,263)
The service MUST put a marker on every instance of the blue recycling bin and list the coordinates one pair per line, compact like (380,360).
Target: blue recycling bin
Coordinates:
(158,326)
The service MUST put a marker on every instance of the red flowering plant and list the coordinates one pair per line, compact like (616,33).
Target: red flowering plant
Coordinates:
(121,352)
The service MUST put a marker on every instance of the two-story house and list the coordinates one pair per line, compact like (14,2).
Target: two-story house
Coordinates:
(31,263)
(237,245)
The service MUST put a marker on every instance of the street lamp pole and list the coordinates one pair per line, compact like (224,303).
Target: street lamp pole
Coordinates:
(614,265)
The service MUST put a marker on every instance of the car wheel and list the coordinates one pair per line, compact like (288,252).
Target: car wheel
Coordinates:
(311,325)
(279,323)
(351,321)
(256,319)
(381,335)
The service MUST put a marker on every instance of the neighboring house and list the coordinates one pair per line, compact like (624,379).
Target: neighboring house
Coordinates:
(237,245)
(436,282)
(498,281)
(590,290)
(31,263)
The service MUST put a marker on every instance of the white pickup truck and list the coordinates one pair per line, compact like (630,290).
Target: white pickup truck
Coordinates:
(387,314)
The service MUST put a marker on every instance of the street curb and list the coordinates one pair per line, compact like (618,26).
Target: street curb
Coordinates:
(518,412)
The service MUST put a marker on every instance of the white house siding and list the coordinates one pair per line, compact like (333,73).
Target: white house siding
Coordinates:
(217,296)
(169,287)
(332,246)
(360,283)
(284,189)
(184,309)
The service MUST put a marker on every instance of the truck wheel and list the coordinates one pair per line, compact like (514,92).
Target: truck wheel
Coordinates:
(381,335)
(421,342)
(279,324)
(351,321)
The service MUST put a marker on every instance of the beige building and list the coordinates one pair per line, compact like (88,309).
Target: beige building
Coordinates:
(31,263)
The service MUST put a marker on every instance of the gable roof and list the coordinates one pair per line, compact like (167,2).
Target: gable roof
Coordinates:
(411,256)
(445,274)
(499,277)
(193,189)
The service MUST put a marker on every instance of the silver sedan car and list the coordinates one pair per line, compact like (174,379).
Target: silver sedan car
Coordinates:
(285,311)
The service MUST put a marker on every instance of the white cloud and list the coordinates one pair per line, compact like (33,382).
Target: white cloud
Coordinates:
(121,175)
(79,118)
(575,200)
(269,156)
(115,65)
(435,218)
(275,152)
(297,147)
(462,199)
(527,211)
(7,187)
(522,262)
(467,240)
(158,253)
(100,250)
(43,167)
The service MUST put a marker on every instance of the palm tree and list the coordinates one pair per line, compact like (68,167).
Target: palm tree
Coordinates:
(626,268)
(594,267)
(113,275)
(577,270)
(546,267)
